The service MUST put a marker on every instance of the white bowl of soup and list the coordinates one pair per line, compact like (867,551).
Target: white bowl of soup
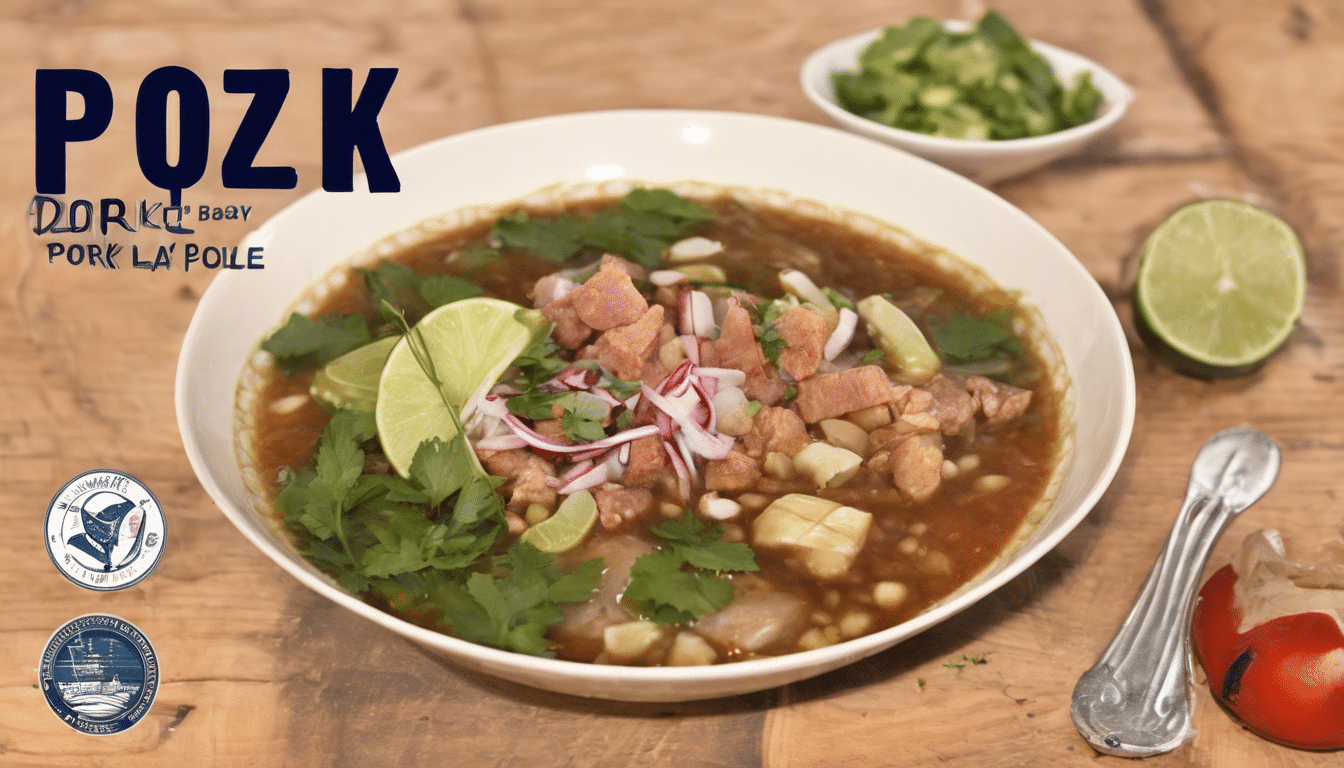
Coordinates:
(775,464)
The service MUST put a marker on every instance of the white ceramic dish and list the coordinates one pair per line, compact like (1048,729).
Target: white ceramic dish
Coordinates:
(982,161)
(507,162)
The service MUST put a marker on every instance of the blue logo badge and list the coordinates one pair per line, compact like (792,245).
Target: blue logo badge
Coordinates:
(99,674)
(105,530)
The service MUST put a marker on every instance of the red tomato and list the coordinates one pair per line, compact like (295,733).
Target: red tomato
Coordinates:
(1284,678)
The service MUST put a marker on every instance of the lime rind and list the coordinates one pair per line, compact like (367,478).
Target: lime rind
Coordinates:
(1222,283)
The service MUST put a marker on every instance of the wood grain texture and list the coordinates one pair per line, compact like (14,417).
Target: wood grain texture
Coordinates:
(1236,99)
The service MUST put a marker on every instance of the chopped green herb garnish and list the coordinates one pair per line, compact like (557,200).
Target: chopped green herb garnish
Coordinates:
(984,84)
(445,289)
(625,420)
(677,584)
(304,343)
(772,344)
(476,256)
(872,357)
(753,408)
(645,224)
(967,339)
(581,429)
(839,301)
(514,605)
(539,362)
(920,681)
(790,393)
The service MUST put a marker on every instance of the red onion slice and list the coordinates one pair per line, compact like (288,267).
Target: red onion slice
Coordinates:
(702,314)
(593,477)
(691,345)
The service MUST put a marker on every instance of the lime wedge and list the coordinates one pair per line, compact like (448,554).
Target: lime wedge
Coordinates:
(350,382)
(567,528)
(1219,287)
(470,342)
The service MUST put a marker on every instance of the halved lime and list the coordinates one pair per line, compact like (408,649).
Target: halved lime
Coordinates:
(350,382)
(567,528)
(470,342)
(1220,285)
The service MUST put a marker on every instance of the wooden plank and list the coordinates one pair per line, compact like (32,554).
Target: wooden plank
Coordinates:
(1233,101)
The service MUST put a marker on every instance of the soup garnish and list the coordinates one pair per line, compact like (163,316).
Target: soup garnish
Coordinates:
(721,431)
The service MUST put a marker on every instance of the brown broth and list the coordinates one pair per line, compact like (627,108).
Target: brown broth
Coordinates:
(933,548)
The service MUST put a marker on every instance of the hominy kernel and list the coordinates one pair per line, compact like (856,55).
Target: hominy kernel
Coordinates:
(968,463)
(753,500)
(813,639)
(732,532)
(831,599)
(950,469)
(832,634)
(908,546)
(670,510)
(919,529)
(536,513)
(936,563)
(991,483)
(890,594)
(822,618)
(855,624)
(287,405)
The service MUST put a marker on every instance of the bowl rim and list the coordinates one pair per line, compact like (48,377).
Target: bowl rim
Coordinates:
(597,676)
(1118,96)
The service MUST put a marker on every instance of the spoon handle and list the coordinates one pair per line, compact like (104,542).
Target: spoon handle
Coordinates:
(1134,701)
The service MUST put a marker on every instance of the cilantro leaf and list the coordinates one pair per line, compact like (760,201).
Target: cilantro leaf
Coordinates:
(539,362)
(445,289)
(641,228)
(660,589)
(663,590)
(476,256)
(513,607)
(719,556)
(304,343)
(340,461)
(581,429)
(441,469)
(666,203)
(554,239)
(389,281)
(967,339)
(872,357)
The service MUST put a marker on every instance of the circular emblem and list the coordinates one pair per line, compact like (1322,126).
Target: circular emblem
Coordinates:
(105,530)
(99,674)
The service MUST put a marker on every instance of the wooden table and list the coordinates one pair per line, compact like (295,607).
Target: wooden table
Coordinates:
(1235,99)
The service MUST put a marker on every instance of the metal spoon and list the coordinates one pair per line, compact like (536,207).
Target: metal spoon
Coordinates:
(1134,702)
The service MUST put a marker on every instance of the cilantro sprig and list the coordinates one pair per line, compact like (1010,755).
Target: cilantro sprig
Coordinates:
(304,343)
(645,224)
(678,584)
(513,605)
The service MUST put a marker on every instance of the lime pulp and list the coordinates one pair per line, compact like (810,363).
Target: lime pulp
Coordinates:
(470,343)
(1220,286)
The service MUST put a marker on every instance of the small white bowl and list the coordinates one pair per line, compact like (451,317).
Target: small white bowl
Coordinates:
(982,161)
(803,162)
